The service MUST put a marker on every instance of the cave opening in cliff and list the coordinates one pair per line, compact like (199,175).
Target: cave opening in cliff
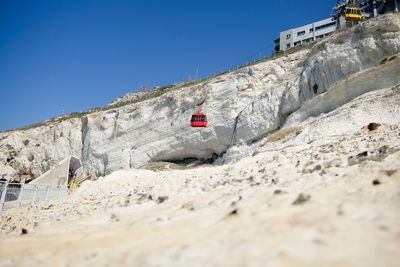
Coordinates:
(193,161)
(74,169)
(315,88)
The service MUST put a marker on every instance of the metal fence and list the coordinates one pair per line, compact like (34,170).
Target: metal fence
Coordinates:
(16,195)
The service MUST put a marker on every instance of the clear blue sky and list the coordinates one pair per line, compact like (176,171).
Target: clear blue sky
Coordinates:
(84,54)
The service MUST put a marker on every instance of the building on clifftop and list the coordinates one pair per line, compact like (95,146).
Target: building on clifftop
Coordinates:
(320,29)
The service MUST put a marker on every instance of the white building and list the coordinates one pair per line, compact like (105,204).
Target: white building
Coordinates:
(305,34)
(321,29)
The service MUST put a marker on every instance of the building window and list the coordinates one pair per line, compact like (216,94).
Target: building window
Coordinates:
(277,44)
(301,33)
(287,45)
(297,43)
(288,36)
(325,26)
(311,30)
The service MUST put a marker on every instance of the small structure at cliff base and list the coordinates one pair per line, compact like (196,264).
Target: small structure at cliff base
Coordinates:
(62,173)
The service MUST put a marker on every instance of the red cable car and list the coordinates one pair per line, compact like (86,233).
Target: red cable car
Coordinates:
(199,119)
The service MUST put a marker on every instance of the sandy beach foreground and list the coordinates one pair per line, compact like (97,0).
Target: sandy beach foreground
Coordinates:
(319,204)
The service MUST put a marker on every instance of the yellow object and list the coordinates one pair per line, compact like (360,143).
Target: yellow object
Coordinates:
(353,13)
(74,183)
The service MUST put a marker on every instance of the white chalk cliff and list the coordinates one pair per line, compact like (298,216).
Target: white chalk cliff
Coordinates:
(242,105)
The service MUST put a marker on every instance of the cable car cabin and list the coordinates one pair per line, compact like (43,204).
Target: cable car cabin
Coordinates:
(198,120)
(353,14)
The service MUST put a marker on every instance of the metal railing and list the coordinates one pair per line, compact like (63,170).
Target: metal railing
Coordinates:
(15,195)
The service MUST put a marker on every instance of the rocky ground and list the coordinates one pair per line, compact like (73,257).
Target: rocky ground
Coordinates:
(323,193)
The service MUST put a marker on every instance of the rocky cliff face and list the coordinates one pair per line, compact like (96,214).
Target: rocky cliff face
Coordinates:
(330,63)
(36,150)
(241,106)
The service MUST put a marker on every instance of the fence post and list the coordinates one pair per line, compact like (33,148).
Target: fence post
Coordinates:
(20,195)
(47,192)
(34,195)
(59,192)
(3,196)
